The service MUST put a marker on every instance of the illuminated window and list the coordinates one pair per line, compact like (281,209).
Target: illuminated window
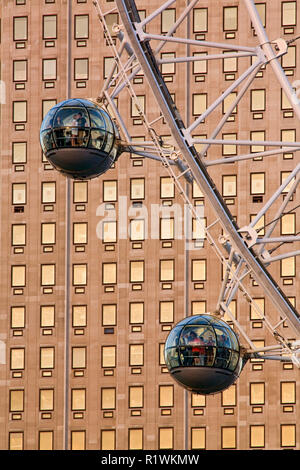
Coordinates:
(18,276)
(229,149)
(288,13)
(168,18)
(109,191)
(47,357)
(168,68)
(80,191)
(288,224)
(287,393)
(16,440)
(19,193)
(48,192)
(137,107)
(17,317)
(79,274)
(16,400)
(77,440)
(288,435)
(289,59)
(166,396)
(109,231)
(257,393)
(228,436)
(109,273)
(229,185)
(230,18)
(136,312)
(136,354)
(137,230)
(199,66)
(78,357)
(198,307)
(166,311)
(17,358)
(199,103)
(18,235)
(136,273)
(46,399)
(198,437)
(257,436)
(79,315)
(108,356)
(166,270)
(165,438)
(198,270)
(78,399)
(136,396)
(21,28)
(80,233)
(196,191)
(229,396)
(258,100)
(19,111)
(137,188)
(288,267)
(257,183)
(230,64)
(135,439)
(47,316)
(257,309)
(109,315)
(47,274)
(167,228)
(48,233)
(45,440)
(167,188)
(108,439)
(19,152)
(200,20)
(260,137)
(49,27)
(108,398)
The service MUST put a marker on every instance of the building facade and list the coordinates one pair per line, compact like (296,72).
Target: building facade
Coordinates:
(93,276)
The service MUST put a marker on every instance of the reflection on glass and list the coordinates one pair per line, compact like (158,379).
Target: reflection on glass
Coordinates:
(97,139)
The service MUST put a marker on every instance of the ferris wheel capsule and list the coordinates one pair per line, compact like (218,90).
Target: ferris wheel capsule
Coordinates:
(80,139)
(203,354)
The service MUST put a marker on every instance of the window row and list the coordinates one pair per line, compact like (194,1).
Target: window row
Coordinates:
(49,27)
(49,69)
(165,437)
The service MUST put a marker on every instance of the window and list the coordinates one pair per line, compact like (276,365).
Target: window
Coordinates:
(16,440)
(198,270)
(78,399)
(199,103)
(47,105)
(79,274)
(77,440)
(257,183)
(109,315)
(165,438)
(80,233)
(48,233)
(200,20)
(81,69)
(20,70)
(47,316)
(81,29)
(78,357)
(109,231)
(199,66)
(18,235)
(16,400)
(287,393)
(108,398)
(136,312)
(261,9)
(18,276)
(80,191)
(196,191)
(258,100)
(109,273)
(166,311)
(167,188)
(288,224)
(198,228)
(109,191)
(21,28)
(48,274)
(49,69)
(137,107)
(108,356)
(136,354)
(19,193)
(19,152)
(45,440)
(229,149)
(198,436)
(48,192)
(198,307)
(284,176)
(136,273)
(166,396)
(167,228)
(288,267)
(166,270)
(79,315)
(257,136)
(19,111)
(229,396)
(46,399)
(168,68)
(288,435)
(257,393)
(17,317)
(230,18)
(108,63)
(289,59)
(228,437)
(17,358)
(111,19)
(47,357)
(168,18)
(229,185)
(229,100)
(108,439)
(257,435)
(257,309)
(136,396)
(135,439)
(288,13)
(229,65)
(137,230)
(49,27)
(137,188)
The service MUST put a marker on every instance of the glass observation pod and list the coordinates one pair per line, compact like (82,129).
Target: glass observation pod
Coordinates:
(203,354)
(80,139)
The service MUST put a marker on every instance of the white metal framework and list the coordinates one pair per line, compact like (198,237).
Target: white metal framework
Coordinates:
(242,250)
